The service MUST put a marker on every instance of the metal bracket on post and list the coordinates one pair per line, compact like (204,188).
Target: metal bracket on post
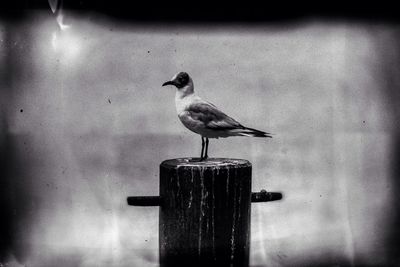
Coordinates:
(149,201)
(145,201)
(264,196)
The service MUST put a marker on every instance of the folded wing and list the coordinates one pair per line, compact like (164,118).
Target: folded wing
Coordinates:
(208,115)
(212,118)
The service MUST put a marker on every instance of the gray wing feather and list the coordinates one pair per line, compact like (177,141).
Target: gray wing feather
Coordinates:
(211,117)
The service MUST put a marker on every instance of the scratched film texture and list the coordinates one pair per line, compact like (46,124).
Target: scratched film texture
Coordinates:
(85,123)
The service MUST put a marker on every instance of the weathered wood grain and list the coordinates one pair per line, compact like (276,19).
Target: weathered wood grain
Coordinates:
(205,212)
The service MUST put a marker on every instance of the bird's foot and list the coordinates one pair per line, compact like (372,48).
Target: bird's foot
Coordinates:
(204,158)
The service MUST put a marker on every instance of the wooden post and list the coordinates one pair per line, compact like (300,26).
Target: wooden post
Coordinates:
(204,212)
(205,215)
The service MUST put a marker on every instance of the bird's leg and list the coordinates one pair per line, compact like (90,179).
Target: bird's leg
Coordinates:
(202,148)
(206,154)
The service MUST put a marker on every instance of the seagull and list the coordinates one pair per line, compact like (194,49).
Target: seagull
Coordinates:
(203,117)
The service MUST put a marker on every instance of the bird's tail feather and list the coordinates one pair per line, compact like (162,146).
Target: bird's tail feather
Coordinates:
(253,133)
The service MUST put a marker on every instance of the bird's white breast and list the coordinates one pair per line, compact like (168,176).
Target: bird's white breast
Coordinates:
(182,103)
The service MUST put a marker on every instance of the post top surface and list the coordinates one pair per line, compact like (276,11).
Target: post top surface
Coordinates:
(210,162)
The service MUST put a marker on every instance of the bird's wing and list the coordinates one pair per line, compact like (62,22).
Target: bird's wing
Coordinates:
(211,116)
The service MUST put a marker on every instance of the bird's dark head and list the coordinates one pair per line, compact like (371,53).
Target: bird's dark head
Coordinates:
(180,80)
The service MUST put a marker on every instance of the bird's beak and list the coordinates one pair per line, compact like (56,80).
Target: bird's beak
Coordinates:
(168,83)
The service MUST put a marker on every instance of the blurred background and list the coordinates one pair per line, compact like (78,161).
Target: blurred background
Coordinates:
(85,123)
